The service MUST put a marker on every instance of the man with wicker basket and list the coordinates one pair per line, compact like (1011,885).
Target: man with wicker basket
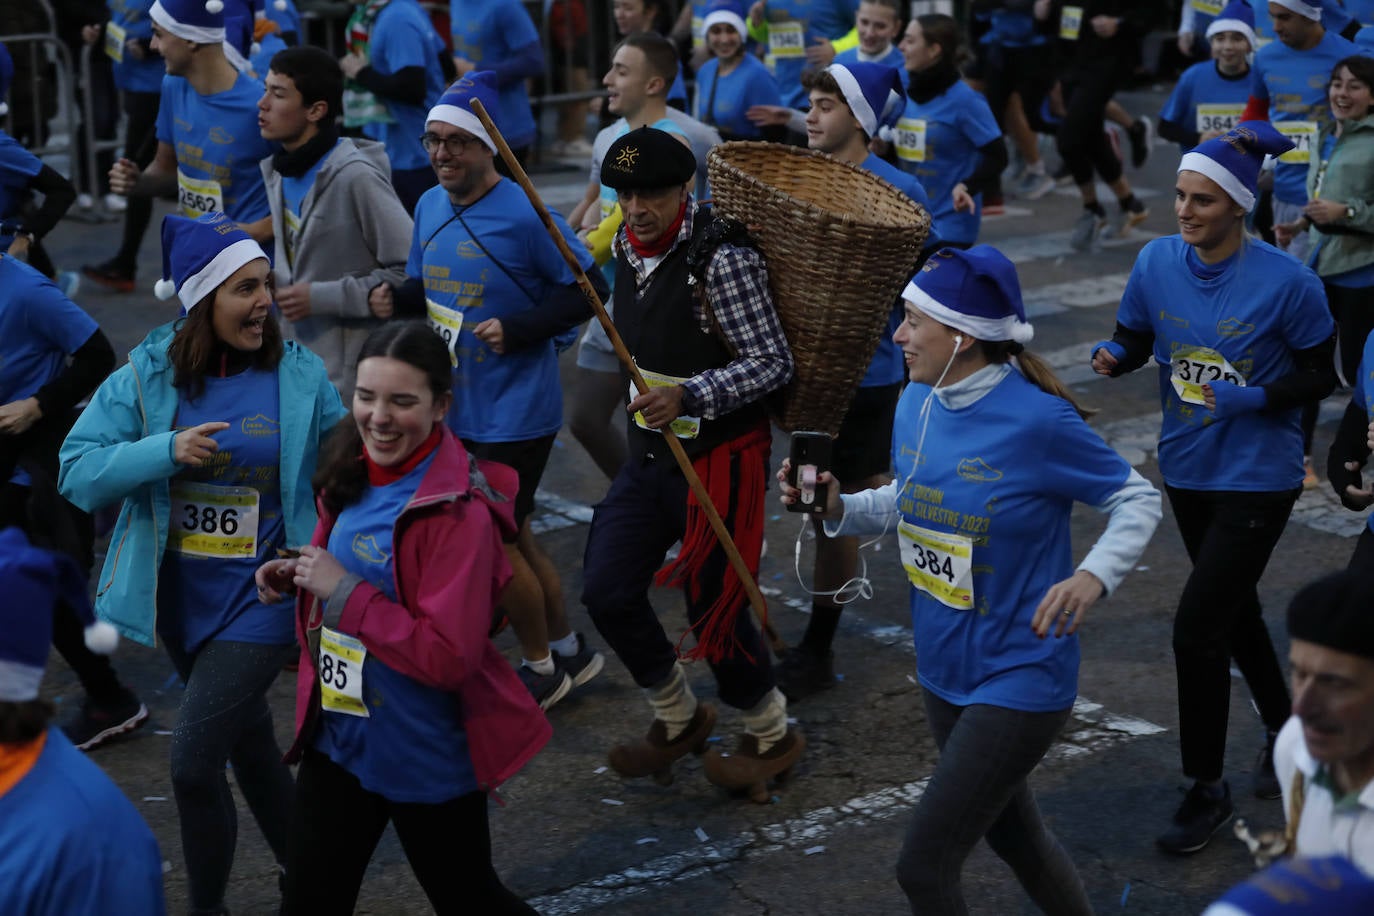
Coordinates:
(693,307)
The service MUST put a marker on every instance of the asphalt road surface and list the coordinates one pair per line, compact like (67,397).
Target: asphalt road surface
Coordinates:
(572,837)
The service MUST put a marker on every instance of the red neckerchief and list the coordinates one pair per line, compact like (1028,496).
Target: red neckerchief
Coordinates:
(665,241)
(379,476)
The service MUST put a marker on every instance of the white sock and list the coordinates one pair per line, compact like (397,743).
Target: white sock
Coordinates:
(767,721)
(1037,168)
(673,702)
(543,666)
(565,646)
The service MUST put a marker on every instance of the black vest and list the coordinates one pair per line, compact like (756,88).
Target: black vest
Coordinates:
(660,329)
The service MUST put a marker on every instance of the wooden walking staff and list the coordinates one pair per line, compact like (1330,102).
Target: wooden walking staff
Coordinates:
(737,563)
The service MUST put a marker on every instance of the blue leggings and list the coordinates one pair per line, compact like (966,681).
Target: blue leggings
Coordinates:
(979,790)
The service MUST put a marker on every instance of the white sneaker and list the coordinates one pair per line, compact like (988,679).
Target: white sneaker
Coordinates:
(84,201)
(1086,230)
(116,203)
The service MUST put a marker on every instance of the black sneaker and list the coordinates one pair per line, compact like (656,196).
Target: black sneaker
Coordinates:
(96,723)
(111,275)
(1141,135)
(1266,784)
(583,665)
(547,689)
(1196,820)
(801,673)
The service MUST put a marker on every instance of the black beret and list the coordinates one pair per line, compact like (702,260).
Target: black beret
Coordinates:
(646,159)
(1336,611)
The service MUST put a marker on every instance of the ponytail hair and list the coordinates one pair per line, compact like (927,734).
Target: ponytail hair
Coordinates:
(1035,369)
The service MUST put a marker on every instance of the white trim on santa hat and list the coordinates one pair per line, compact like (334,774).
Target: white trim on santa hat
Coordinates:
(1233,25)
(1008,327)
(1193,161)
(729,17)
(19,682)
(199,285)
(1302,9)
(466,120)
(199,34)
(854,95)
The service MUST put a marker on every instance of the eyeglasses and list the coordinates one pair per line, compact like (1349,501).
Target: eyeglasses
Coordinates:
(455,145)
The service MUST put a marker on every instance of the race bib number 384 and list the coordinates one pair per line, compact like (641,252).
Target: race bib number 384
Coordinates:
(941,565)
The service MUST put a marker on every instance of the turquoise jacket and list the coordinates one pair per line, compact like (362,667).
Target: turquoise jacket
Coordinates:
(121,449)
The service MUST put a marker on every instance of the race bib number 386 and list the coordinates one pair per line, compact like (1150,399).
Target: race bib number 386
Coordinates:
(941,565)
(1201,366)
(213,521)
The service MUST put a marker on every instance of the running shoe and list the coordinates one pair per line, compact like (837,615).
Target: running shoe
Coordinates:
(110,275)
(801,673)
(116,203)
(583,665)
(1121,224)
(1033,186)
(96,723)
(547,689)
(993,204)
(1309,475)
(1197,819)
(1142,137)
(1062,176)
(1086,229)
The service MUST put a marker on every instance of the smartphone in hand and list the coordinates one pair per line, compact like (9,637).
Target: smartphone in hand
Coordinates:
(810,455)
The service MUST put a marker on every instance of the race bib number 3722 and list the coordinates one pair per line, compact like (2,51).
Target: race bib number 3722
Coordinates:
(1193,368)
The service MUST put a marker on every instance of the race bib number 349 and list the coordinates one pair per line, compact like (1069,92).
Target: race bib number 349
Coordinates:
(1201,366)
(786,39)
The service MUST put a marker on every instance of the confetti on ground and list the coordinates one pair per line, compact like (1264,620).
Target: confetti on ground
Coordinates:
(910,678)
(701,835)
(154,798)
(599,770)
(791,720)
(645,841)
(813,850)
(162,731)
(1142,569)
(166,866)
(611,801)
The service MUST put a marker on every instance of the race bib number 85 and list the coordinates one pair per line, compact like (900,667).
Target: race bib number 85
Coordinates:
(341,674)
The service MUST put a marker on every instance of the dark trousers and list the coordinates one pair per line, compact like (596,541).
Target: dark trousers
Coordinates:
(1352,308)
(644,512)
(979,790)
(1082,142)
(1229,537)
(338,824)
(1363,557)
(140,145)
(225,718)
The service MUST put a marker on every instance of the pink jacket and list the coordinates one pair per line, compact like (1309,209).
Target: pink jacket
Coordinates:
(450,570)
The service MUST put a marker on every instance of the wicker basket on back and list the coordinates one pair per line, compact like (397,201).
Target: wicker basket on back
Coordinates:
(841,244)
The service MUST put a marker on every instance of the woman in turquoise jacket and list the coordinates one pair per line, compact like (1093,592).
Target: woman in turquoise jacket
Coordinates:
(209,437)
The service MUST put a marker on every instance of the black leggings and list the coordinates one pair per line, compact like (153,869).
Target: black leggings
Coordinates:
(1082,142)
(979,790)
(1353,310)
(1229,536)
(140,145)
(338,825)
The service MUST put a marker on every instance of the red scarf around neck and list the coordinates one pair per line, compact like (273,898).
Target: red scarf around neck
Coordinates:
(665,241)
(379,476)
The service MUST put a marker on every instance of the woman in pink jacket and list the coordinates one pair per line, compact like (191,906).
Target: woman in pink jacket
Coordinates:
(405,713)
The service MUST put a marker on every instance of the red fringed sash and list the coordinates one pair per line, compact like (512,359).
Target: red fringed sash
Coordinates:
(715,631)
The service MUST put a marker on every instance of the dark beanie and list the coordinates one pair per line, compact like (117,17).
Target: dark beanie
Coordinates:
(1336,611)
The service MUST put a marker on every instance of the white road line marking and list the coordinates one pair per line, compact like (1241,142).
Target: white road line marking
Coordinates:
(1087,293)
(1055,245)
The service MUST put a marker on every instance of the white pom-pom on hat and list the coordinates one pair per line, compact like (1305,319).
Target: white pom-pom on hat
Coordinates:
(101,638)
(214,6)
(254,49)
(1023,332)
(164,289)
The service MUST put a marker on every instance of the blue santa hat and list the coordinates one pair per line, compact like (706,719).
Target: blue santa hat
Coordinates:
(1330,886)
(238,34)
(455,106)
(35,579)
(1364,40)
(201,21)
(1236,17)
(730,12)
(873,91)
(1233,160)
(200,254)
(1311,9)
(974,291)
(6,77)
